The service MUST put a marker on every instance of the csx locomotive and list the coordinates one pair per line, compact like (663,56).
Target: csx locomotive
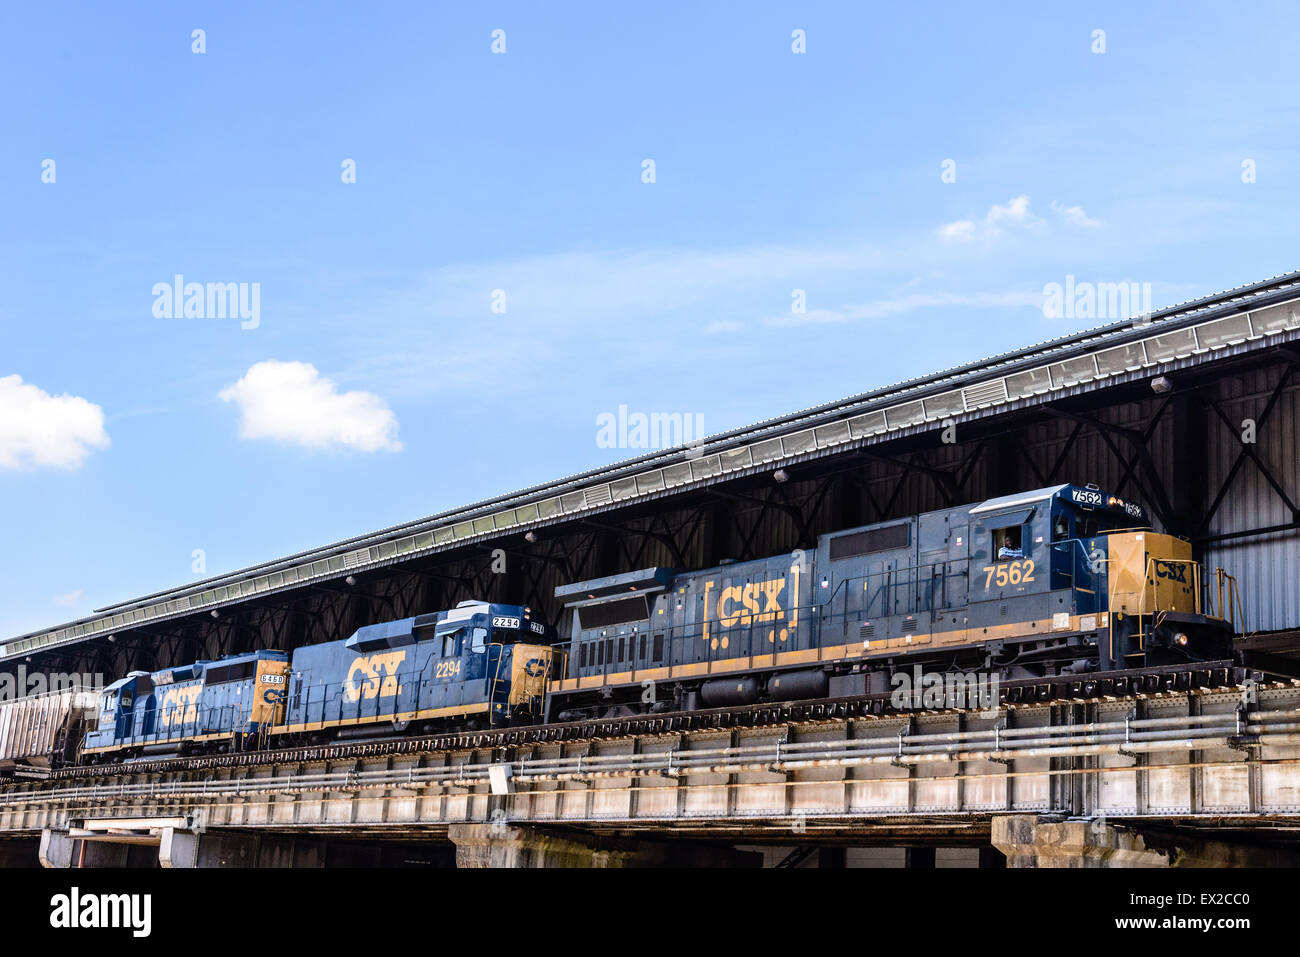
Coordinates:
(1061,580)
(477,665)
(1057,581)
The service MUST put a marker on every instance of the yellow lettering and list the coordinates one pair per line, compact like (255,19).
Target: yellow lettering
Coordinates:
(749,598)
(725,617)
(378,674)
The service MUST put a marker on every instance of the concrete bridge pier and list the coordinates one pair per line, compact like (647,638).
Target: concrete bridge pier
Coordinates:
(503,845)
(60,849)
(1029,840)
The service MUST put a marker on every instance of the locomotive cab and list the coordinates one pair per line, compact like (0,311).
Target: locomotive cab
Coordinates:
(117,710)
(1073,559)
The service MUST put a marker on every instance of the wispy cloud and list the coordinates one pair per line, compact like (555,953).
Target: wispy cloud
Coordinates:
(882,308)
(1014,214)
(69,599)
(1074,215)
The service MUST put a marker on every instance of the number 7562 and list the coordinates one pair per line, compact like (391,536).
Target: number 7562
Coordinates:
(1009,573)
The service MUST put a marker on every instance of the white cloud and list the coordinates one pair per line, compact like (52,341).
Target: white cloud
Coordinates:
(880,308)
(39,429)
(292,402)
(1014,214)
(960,231)
(71,598)
(1073,215)
(723,325)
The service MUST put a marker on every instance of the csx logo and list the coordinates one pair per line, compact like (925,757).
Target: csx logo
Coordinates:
(374,676)
(1174,571)
(535,667)
(179,705)
(742,604)
(756,602)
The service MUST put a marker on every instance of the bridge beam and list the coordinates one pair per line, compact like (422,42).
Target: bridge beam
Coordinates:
(1031,841)
(507,846)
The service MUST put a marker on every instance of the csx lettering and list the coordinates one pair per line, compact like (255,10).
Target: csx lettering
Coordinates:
(747,597)
(374,676)
(179,705)
(1174,571)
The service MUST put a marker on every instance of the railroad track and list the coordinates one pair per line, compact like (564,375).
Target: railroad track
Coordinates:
(1206,675)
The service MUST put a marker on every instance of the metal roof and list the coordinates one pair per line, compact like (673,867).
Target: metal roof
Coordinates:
(1258,313)
(1021,498)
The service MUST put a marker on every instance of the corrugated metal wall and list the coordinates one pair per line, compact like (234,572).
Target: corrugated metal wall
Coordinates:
(1267,567)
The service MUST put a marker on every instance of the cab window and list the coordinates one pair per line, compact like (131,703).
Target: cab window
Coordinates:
(478,640)
(449,642)
(1008,543)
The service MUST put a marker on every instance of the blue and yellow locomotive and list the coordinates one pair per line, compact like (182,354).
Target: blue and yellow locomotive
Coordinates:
(231,703)
(477,665)
(1061,580)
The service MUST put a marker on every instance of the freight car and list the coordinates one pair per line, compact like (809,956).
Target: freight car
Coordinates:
(43,731)
(1061,580)
(477,665)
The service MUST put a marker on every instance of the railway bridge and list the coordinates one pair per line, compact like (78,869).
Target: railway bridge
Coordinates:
(1202,770)
(1191,410)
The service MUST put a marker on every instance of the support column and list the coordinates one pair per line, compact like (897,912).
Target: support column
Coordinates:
(180,848)
(1029,841)
(494,845)
(58,850)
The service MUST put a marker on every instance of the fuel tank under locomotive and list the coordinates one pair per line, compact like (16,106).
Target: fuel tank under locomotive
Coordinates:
(747,689)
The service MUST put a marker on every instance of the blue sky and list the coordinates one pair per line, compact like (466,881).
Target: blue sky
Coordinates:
(380,386)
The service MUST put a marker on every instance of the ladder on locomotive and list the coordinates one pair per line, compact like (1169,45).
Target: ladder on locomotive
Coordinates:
(497,684)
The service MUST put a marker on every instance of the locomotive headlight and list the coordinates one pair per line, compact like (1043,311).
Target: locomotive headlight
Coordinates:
(1181,639)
